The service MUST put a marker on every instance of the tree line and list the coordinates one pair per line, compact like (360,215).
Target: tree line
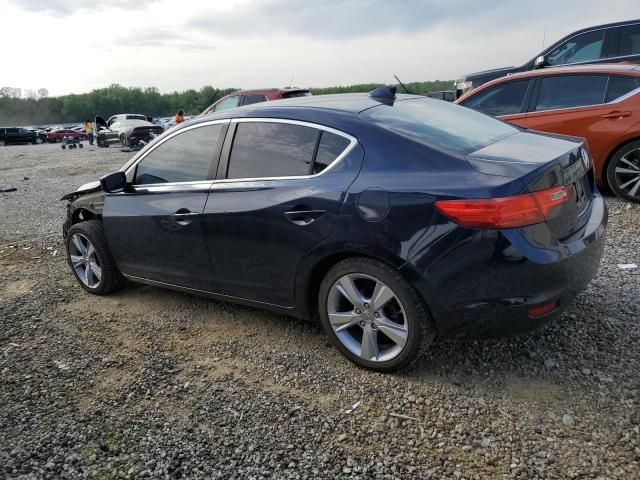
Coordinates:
(148,101)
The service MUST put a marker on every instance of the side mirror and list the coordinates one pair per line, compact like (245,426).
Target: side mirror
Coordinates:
(114,182)
(540,62)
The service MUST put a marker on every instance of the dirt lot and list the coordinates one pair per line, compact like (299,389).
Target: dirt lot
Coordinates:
(158,384)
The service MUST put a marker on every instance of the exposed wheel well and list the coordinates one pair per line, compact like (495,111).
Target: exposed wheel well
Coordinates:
(604,176)
(82,214)
(318,273)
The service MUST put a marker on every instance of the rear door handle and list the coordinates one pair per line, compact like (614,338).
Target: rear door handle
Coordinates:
(184,216)
(616,114)
(304,217)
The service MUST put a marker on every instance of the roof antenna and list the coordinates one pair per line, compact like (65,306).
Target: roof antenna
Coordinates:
(544,38)
(403,85)
(291,82)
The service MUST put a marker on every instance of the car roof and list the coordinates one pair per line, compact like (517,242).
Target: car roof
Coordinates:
(256,91)
(602,68)
(344,102)
(632,68)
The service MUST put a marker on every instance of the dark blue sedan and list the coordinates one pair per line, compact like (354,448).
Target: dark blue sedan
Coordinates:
(394,220)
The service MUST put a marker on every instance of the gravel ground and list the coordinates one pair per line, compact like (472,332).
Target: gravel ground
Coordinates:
(157,384)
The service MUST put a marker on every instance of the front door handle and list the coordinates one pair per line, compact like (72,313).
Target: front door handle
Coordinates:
(616,114)
(304,217)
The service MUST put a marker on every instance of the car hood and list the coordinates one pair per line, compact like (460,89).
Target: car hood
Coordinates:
(86,188)
(488,75)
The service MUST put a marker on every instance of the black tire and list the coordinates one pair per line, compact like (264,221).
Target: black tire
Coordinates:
(124,141)
(64,146)
(615,181)
(420,334)
(111,278)
(80,145)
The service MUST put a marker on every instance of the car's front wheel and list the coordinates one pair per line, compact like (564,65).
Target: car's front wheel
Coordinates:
(623,172)
(124,141)
(39,141)
(374,315)
(90,259)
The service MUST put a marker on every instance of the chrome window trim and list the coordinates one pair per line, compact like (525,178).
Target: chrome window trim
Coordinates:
(160,142)
(352,143)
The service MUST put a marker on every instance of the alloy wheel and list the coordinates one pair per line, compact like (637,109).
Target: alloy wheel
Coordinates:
(84,260)
(367,317)
(627,173)
(2,143)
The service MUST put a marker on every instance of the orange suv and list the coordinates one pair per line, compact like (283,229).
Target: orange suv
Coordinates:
(598,102)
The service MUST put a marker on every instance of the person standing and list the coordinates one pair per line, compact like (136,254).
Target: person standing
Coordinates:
(179,117)
(88,129)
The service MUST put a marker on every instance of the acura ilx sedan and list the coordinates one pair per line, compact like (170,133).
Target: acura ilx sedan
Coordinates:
(393,220)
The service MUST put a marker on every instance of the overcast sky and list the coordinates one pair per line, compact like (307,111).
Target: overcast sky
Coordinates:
(73,46)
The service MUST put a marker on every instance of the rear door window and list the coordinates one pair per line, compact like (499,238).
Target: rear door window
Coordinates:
(619,86)
(571,91)
(183,158)
(629,40)
(581,48)
(505,99)
(270,149)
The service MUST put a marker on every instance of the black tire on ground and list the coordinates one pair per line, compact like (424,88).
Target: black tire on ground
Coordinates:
(421,332)
(64,146)
(124,141)
(111,278)
(618,162)
(80,145)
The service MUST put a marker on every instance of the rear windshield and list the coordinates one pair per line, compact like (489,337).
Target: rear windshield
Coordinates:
(136,117)
(439,124)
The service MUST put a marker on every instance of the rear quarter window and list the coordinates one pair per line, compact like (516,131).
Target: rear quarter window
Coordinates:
(440,125)
(619,86)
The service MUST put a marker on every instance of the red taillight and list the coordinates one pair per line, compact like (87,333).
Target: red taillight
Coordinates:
(542,310)
(506,212)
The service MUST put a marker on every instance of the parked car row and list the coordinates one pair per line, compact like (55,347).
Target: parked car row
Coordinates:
(610,43)
(600,103)
(13,136)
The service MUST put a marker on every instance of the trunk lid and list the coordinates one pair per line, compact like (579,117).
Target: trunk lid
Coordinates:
(541,161)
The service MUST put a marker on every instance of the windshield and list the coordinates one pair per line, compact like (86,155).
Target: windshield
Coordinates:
(439,124)
(136,117)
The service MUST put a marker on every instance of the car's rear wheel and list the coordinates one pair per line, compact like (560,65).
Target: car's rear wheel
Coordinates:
(2,143)
(39,141)
(374,315)
(623,172)
(90,259)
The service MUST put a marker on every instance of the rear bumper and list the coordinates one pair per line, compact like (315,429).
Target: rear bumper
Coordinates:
(480,283)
